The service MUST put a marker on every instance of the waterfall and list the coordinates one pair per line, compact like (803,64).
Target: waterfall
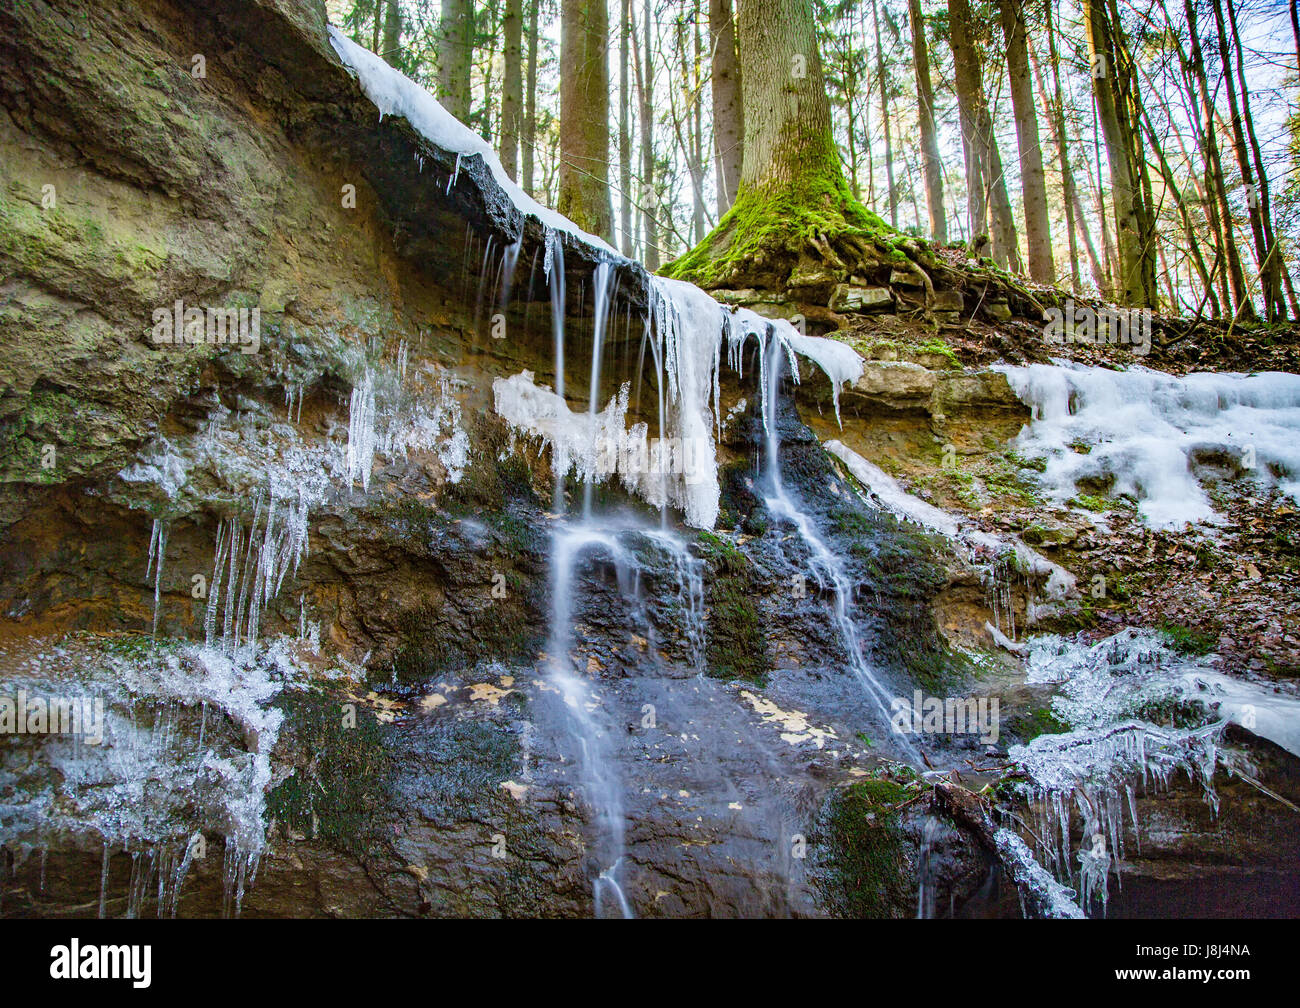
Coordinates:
(826,564)
(570,543)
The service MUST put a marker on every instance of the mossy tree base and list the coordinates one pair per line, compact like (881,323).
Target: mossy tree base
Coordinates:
(803,236)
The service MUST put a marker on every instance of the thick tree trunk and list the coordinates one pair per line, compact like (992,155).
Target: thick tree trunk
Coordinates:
(584,117)
(787,137)
(455,52)
(728,138)
(793,205)
(1033,180)
(512,87)
(931,164)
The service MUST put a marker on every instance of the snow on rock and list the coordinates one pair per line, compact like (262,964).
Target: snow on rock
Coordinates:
(1148,432)
(393,93)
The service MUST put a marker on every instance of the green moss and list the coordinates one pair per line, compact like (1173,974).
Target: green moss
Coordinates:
(814,209)
(1091,502)
(938,348)
(865,871)
(735,644)
(1034,722)
(1037,463)
(335,795)
(1003,477)
(1188,640)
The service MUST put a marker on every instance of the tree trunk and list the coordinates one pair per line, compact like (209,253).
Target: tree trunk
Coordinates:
(530,104)
(1252,176)
(392,33)
(932,165)
(971,111)
(624,129)
(455,52)
(487,27)
(584,117)
(787,112)
(728,139)
(1032,178)
(1006,249)
(1217,209)
(645,88)
(1135,231)
(693,113)
(792,202)
(1060,140)
(512,87)
(884,114)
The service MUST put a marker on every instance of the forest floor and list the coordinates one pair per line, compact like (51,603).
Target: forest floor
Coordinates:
(1231,586)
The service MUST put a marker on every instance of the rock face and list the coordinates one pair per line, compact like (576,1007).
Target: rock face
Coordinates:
(220,156)
(347,497)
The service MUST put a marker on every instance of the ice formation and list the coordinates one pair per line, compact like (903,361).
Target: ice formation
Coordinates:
(1114,694)
(681,470)
(1146,433)
(689,324)
(186,738)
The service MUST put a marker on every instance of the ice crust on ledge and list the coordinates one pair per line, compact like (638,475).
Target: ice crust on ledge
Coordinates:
(1149,432)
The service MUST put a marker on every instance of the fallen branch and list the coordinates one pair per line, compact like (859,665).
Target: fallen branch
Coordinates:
(1041,895)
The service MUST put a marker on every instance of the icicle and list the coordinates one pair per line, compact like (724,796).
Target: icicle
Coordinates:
(451,179)
(163,529)
(103,884)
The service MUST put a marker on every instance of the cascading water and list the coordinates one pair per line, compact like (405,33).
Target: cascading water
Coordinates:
(568,546)
(570,543)
(776,348)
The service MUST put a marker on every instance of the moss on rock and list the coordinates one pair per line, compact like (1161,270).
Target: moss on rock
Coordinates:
(864,870)
(735,643)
